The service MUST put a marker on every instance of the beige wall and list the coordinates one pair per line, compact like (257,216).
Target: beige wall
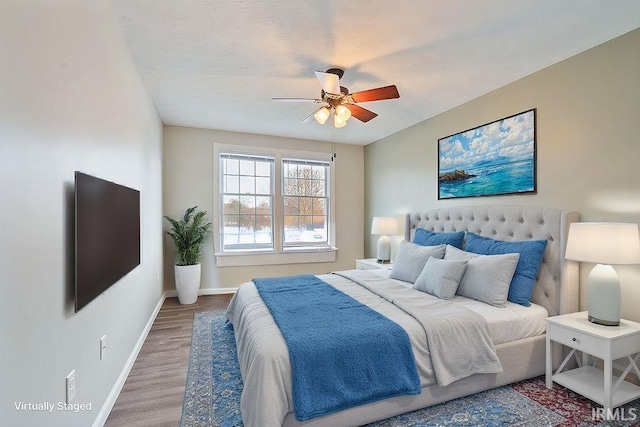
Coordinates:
(188,181)
(72,99)
(588,146)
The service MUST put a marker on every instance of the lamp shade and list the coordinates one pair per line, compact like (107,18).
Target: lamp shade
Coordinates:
(384,225)
(603,243)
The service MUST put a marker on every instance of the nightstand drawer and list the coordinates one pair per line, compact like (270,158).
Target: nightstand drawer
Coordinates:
(578,340)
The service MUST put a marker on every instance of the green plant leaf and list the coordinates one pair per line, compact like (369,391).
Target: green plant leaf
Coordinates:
(189,234)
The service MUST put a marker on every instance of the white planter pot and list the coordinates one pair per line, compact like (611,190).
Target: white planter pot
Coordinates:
(187,282)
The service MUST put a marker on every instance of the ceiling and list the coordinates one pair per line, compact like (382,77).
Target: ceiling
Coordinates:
(216,63)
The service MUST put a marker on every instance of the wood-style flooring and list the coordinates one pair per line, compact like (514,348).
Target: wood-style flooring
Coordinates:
(154,390)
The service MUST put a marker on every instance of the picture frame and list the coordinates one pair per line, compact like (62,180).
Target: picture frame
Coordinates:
(496,158)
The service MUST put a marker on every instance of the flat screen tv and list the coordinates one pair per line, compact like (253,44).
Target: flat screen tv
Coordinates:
(107,235)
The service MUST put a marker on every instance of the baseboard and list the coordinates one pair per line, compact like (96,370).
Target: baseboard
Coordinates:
(211,291)
(101,419)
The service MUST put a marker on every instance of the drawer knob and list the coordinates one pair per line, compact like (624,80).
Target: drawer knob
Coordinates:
(573,339)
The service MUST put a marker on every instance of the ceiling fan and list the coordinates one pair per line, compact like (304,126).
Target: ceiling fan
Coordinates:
(339,103)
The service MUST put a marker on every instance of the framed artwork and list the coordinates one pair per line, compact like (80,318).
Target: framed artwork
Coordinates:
(496,158)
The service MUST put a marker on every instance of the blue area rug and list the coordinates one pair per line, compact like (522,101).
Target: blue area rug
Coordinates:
(214,386)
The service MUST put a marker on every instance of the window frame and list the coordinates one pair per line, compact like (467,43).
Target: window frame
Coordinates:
(280,254)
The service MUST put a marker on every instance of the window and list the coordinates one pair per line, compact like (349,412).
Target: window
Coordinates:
(247,201)
(305,199)
(272,206)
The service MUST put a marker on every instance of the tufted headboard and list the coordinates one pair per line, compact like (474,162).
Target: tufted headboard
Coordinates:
(557,286)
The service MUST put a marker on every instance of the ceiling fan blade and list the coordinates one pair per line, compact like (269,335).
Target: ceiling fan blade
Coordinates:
(309,118)
(315,101)
(360,113)
(378,94)
(330,82)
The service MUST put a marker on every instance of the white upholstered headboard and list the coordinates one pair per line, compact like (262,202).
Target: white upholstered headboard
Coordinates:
(557,288)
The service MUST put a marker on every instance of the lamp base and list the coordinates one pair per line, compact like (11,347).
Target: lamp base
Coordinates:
(384,250)
(603,322)
(603,296)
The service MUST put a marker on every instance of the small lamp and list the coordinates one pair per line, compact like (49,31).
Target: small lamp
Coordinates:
(603,243)
(384,225)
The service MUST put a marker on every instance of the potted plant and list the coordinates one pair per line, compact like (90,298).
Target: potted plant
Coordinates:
(188,235)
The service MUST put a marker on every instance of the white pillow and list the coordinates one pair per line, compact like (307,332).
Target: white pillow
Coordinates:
(440,277)
(487,277)
(411,258)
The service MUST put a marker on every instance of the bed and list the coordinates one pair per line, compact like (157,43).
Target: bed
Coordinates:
(262,351)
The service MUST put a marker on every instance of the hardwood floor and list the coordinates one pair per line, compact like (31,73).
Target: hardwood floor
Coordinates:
(154,390)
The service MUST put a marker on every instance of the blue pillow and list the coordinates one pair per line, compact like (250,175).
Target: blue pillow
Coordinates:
(524,279)
(429,238)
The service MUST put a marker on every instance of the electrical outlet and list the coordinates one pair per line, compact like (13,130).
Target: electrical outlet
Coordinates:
(71,386)
(103,347)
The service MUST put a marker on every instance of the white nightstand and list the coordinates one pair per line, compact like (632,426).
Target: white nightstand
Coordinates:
(604,342)
(371,264)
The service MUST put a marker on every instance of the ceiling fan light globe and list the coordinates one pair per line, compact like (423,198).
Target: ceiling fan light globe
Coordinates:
(343,112)
(338,122)
(321,115)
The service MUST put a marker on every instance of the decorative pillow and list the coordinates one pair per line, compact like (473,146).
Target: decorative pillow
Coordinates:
(487,277)
(411,258)
(440,277)
(531,253)
(430,238)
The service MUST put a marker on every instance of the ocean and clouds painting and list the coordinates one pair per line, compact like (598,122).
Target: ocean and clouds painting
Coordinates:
(496,158)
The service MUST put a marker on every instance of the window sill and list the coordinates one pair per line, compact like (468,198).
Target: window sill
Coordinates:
(290,256)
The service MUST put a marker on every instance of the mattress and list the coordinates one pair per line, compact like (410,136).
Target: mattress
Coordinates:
(506,324)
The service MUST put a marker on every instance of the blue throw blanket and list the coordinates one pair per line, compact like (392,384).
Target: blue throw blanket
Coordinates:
(342,353)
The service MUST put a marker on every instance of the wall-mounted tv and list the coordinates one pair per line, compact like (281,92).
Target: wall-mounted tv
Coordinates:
(107,235)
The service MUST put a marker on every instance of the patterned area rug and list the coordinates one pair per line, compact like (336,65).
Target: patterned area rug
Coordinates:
(214,385)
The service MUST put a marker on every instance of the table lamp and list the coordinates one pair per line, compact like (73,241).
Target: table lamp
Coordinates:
(603,243)
(384,225)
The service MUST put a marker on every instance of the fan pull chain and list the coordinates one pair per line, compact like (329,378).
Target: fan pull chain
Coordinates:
(333,145)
